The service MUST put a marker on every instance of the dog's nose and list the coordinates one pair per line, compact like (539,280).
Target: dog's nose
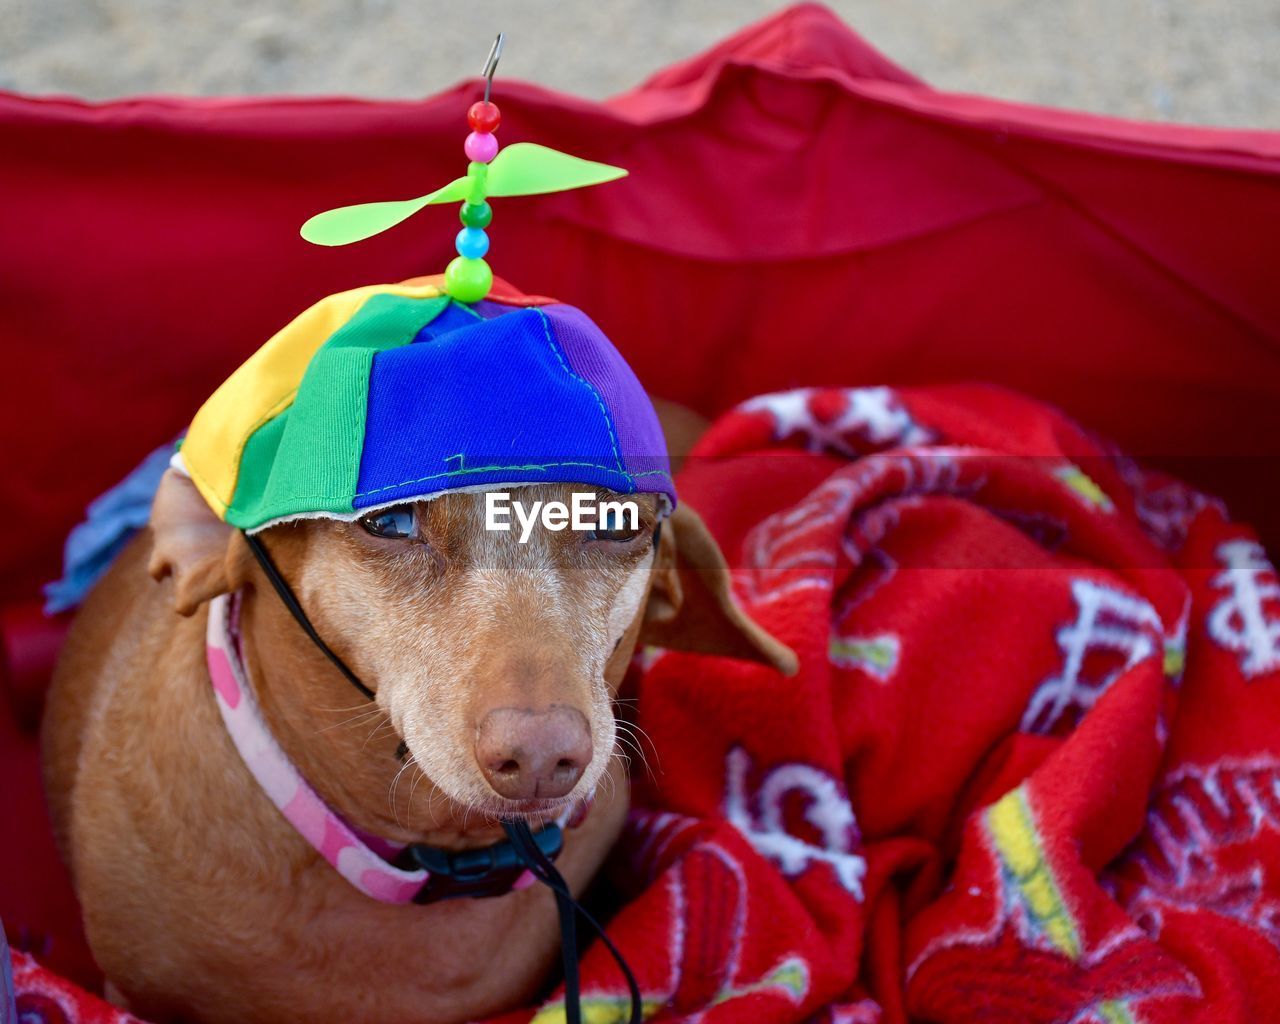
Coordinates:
(527,754)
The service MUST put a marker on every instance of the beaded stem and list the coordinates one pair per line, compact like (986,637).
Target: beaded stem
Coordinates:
(468,277)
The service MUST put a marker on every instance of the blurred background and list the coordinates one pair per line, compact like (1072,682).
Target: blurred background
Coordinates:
(1192,61)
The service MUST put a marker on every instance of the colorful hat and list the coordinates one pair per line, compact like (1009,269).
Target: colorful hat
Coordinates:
(389,393)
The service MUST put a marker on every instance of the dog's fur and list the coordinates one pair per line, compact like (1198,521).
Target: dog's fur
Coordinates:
(200,901)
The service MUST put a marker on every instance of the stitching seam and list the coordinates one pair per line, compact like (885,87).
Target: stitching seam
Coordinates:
(564,364)
(287,400)
(506,469)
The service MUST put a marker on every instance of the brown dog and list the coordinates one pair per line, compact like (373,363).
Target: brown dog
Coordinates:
(497,664)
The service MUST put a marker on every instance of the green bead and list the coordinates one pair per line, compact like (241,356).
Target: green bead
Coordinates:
(476,215)
(467,280)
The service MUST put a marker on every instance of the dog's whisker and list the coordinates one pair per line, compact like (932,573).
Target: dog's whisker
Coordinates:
(391,791)
(367,712)
(626,743)
(379,727)
(431,801)
(412,789)
(350,707)
(374,732)
(637,734)
(648,771)
(629,742)
(354,720)
(626,739)
(634,747)
(612,785)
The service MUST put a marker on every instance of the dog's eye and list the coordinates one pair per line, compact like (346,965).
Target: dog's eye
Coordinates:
(613,526)
(395,523)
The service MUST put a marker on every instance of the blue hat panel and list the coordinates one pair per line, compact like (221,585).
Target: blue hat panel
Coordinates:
(474,402)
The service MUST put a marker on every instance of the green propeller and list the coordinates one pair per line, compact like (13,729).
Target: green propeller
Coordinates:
(521,169)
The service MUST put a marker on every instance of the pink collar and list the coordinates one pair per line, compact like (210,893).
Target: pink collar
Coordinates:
(350,854)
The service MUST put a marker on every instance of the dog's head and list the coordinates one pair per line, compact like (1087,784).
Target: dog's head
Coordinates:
(495,658)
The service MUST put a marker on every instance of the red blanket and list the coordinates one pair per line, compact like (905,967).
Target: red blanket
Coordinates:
(1029,769)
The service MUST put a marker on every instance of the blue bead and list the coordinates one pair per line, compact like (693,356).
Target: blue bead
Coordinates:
(472,243)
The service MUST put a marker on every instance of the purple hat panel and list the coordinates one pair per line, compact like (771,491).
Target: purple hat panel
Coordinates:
(593,358)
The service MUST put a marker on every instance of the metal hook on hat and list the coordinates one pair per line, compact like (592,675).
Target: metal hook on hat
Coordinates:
(491,65)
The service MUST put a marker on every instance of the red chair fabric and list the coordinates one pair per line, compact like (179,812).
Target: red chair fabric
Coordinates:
(799,211)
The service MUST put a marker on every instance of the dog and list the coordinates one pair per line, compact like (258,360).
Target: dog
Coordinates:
(494,663)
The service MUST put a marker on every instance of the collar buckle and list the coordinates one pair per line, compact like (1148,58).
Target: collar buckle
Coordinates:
(488,871)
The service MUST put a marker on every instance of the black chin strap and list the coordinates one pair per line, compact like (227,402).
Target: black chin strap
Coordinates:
(295,609)
(518,832)
(540,866)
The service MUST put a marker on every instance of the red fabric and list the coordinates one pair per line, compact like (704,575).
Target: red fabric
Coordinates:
(993,612)
(29,645)
(45,998)
(37,905)
(800,211)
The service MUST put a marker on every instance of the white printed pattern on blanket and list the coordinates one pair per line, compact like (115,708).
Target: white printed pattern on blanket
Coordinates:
(1244,619)
(1164,505)
(1175,664)
(791,550)
(1107,621)
(827,809)
(794,550)
(1009,909)
(1027,899)
(862,418)
(34,984)
(651,835)
(877,568)
(865,1011)
(876,655)
(1199,812)
(1083,487)
(788,978)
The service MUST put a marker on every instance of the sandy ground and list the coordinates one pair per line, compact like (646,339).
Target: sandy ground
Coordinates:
(1199,61)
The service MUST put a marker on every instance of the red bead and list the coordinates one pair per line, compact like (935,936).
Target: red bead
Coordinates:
(484,117)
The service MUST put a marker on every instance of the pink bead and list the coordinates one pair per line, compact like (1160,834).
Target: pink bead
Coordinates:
(481,147)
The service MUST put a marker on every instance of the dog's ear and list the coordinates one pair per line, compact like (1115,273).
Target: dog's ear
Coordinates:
(691,605)
(204,555)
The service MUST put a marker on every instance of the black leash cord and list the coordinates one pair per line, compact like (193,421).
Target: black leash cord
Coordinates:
(295,609)
(567,907)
